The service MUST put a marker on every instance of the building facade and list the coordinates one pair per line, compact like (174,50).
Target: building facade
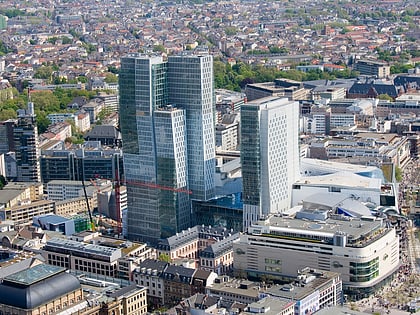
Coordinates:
(372,67)
(166,118)
(26,143)
(364,251)
(269,156)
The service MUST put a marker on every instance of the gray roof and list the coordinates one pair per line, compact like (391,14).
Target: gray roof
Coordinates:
(36,286)
(179,273)
(8,194)
(157,265)
(104,131)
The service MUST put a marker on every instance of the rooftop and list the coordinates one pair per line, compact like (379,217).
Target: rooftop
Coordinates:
(359,231)
(341,179)
(35,274)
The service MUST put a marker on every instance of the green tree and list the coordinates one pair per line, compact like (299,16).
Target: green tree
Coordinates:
(66,40)
(52,40)
(3,181)
(44,72)
(385,97)
(398,174)
(164,257)
(7,113)
(231,30)
(3,49)
(159,48)
(111,78)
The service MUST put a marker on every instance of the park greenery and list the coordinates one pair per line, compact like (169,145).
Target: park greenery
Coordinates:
(236,77)
(46,102)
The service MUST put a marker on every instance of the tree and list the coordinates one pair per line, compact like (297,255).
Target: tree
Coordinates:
(44,72)
(164,257)
(398,174)
(3,181)
(159,48)
(6,114)
(65,40)
(385,97)
(3,48)
(52,40)
(231,30)
(111,78)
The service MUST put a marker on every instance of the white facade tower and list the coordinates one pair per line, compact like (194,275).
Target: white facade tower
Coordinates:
(269,156)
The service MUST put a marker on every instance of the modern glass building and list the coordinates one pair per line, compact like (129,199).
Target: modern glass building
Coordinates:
(190,82)
(26,143)
(269,156)
(166,120)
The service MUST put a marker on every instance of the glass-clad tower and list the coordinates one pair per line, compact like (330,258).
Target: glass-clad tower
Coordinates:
(190,82)
(163,107)
(269,156)
(26,143)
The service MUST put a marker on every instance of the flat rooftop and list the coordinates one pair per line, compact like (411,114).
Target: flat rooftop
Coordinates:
(341,179)
(354,228)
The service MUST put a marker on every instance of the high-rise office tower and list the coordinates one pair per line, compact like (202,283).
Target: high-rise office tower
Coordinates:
(190,82)
(166,120)
(25,136)
(269,156)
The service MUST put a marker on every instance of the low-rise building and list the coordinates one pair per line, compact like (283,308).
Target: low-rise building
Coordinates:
(41,289)
(373,68)
(22,214)
(364,250)
(211,247)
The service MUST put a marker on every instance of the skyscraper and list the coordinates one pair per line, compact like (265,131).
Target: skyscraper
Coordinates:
(190,82)
(166,119)
(269,155)
(25,137)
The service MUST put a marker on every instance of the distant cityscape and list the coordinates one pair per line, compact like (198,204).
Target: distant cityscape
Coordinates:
(205,157)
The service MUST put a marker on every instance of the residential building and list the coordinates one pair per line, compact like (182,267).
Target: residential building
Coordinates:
(132,300)
(373,68)
(227,133)
(229,101)
(231,290)
(111,101)
(107,135)
(80,119)
(218,257)
(165,164)
(211,247)
(93,108)
(149,274)
(168,284)
(269,156)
